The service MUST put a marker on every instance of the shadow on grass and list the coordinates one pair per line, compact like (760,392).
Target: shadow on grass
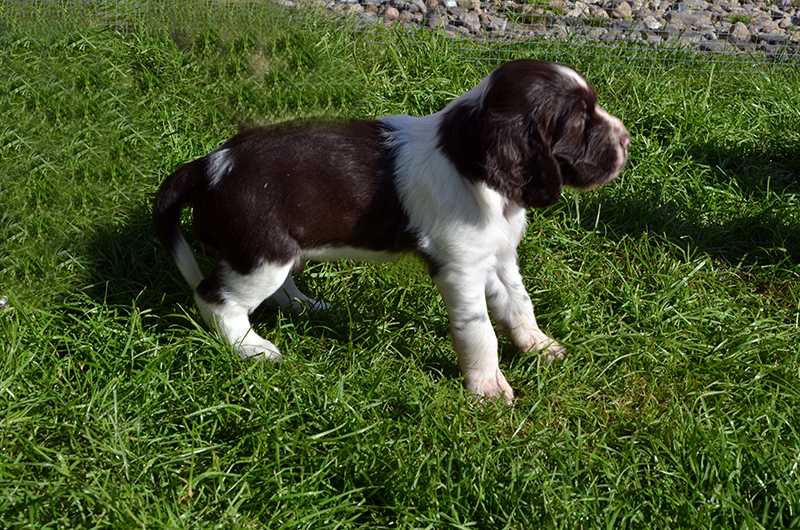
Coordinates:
(753,228)
(129,266)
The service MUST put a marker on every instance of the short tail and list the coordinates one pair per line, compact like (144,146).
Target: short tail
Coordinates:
(176,191)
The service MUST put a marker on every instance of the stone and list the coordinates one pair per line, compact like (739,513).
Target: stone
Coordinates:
(409,5)
(622,10)
(689,17)
(492,23)
(762,23)
(694,5)
(408,16)
(773,38)
(599,13)
(714,26)
(435,18)
(581,10)
(468,20)
(738,33)
(690,37)
(474,5)
(713,45)
(389,13)
(651,23)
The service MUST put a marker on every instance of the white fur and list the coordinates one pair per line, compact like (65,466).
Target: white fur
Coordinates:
(574,76)
(245,293)
(470,231)
(622,144)
(184,258)
(220,163)
(474,232)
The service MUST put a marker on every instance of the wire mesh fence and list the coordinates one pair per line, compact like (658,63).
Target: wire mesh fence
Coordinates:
(733,34)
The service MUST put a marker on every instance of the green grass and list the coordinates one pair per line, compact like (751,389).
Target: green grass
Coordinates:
(675,288)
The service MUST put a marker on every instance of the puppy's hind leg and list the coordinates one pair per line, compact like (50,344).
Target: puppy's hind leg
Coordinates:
(288,296)
(226,299)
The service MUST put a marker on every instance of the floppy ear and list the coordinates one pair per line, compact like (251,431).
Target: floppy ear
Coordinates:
(518,162)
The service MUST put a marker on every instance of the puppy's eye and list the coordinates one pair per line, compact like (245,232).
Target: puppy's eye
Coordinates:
(588,125)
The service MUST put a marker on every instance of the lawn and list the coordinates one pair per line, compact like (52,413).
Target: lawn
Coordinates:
(675,288)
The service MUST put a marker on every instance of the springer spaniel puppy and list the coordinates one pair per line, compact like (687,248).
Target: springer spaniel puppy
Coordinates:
(453,186)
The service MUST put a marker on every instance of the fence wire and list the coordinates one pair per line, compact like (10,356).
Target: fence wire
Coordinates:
(732,34)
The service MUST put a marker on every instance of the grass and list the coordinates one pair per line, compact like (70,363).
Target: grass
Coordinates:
(675,288)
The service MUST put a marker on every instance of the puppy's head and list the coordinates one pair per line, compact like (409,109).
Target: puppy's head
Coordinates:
(530,128)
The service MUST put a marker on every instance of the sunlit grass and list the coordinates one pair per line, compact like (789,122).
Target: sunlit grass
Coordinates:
(675,289)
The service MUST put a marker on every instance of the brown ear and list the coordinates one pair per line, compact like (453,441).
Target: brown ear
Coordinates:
(518,162)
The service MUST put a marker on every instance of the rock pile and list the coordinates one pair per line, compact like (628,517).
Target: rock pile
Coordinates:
(717,26)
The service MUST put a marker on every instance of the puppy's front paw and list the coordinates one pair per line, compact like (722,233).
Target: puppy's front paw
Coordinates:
(531,338)
(553,352)
(490,386)
(258,351)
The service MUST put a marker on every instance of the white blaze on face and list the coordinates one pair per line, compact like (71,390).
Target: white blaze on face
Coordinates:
(574,76)
(619,134)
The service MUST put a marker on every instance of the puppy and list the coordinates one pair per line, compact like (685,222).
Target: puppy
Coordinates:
(453,187)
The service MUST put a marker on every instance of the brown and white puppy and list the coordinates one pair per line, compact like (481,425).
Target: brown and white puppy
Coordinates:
(453,187)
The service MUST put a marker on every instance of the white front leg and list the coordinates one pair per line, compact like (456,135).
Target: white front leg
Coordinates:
(512,309)
(472,333)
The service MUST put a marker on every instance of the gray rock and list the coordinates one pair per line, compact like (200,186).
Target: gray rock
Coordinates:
(773,38)
(654,40)
(690,37)
(622,10)
(651,23)
(469,4)
(493,23)
(581,10)
(762,23)
(772,26)
(695,5)
(713,45)
(468,20)
(599,13)
(435,18)
(409,5)
(689,17)
(623,24)
(596,33)
(738,33)
(389,13)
